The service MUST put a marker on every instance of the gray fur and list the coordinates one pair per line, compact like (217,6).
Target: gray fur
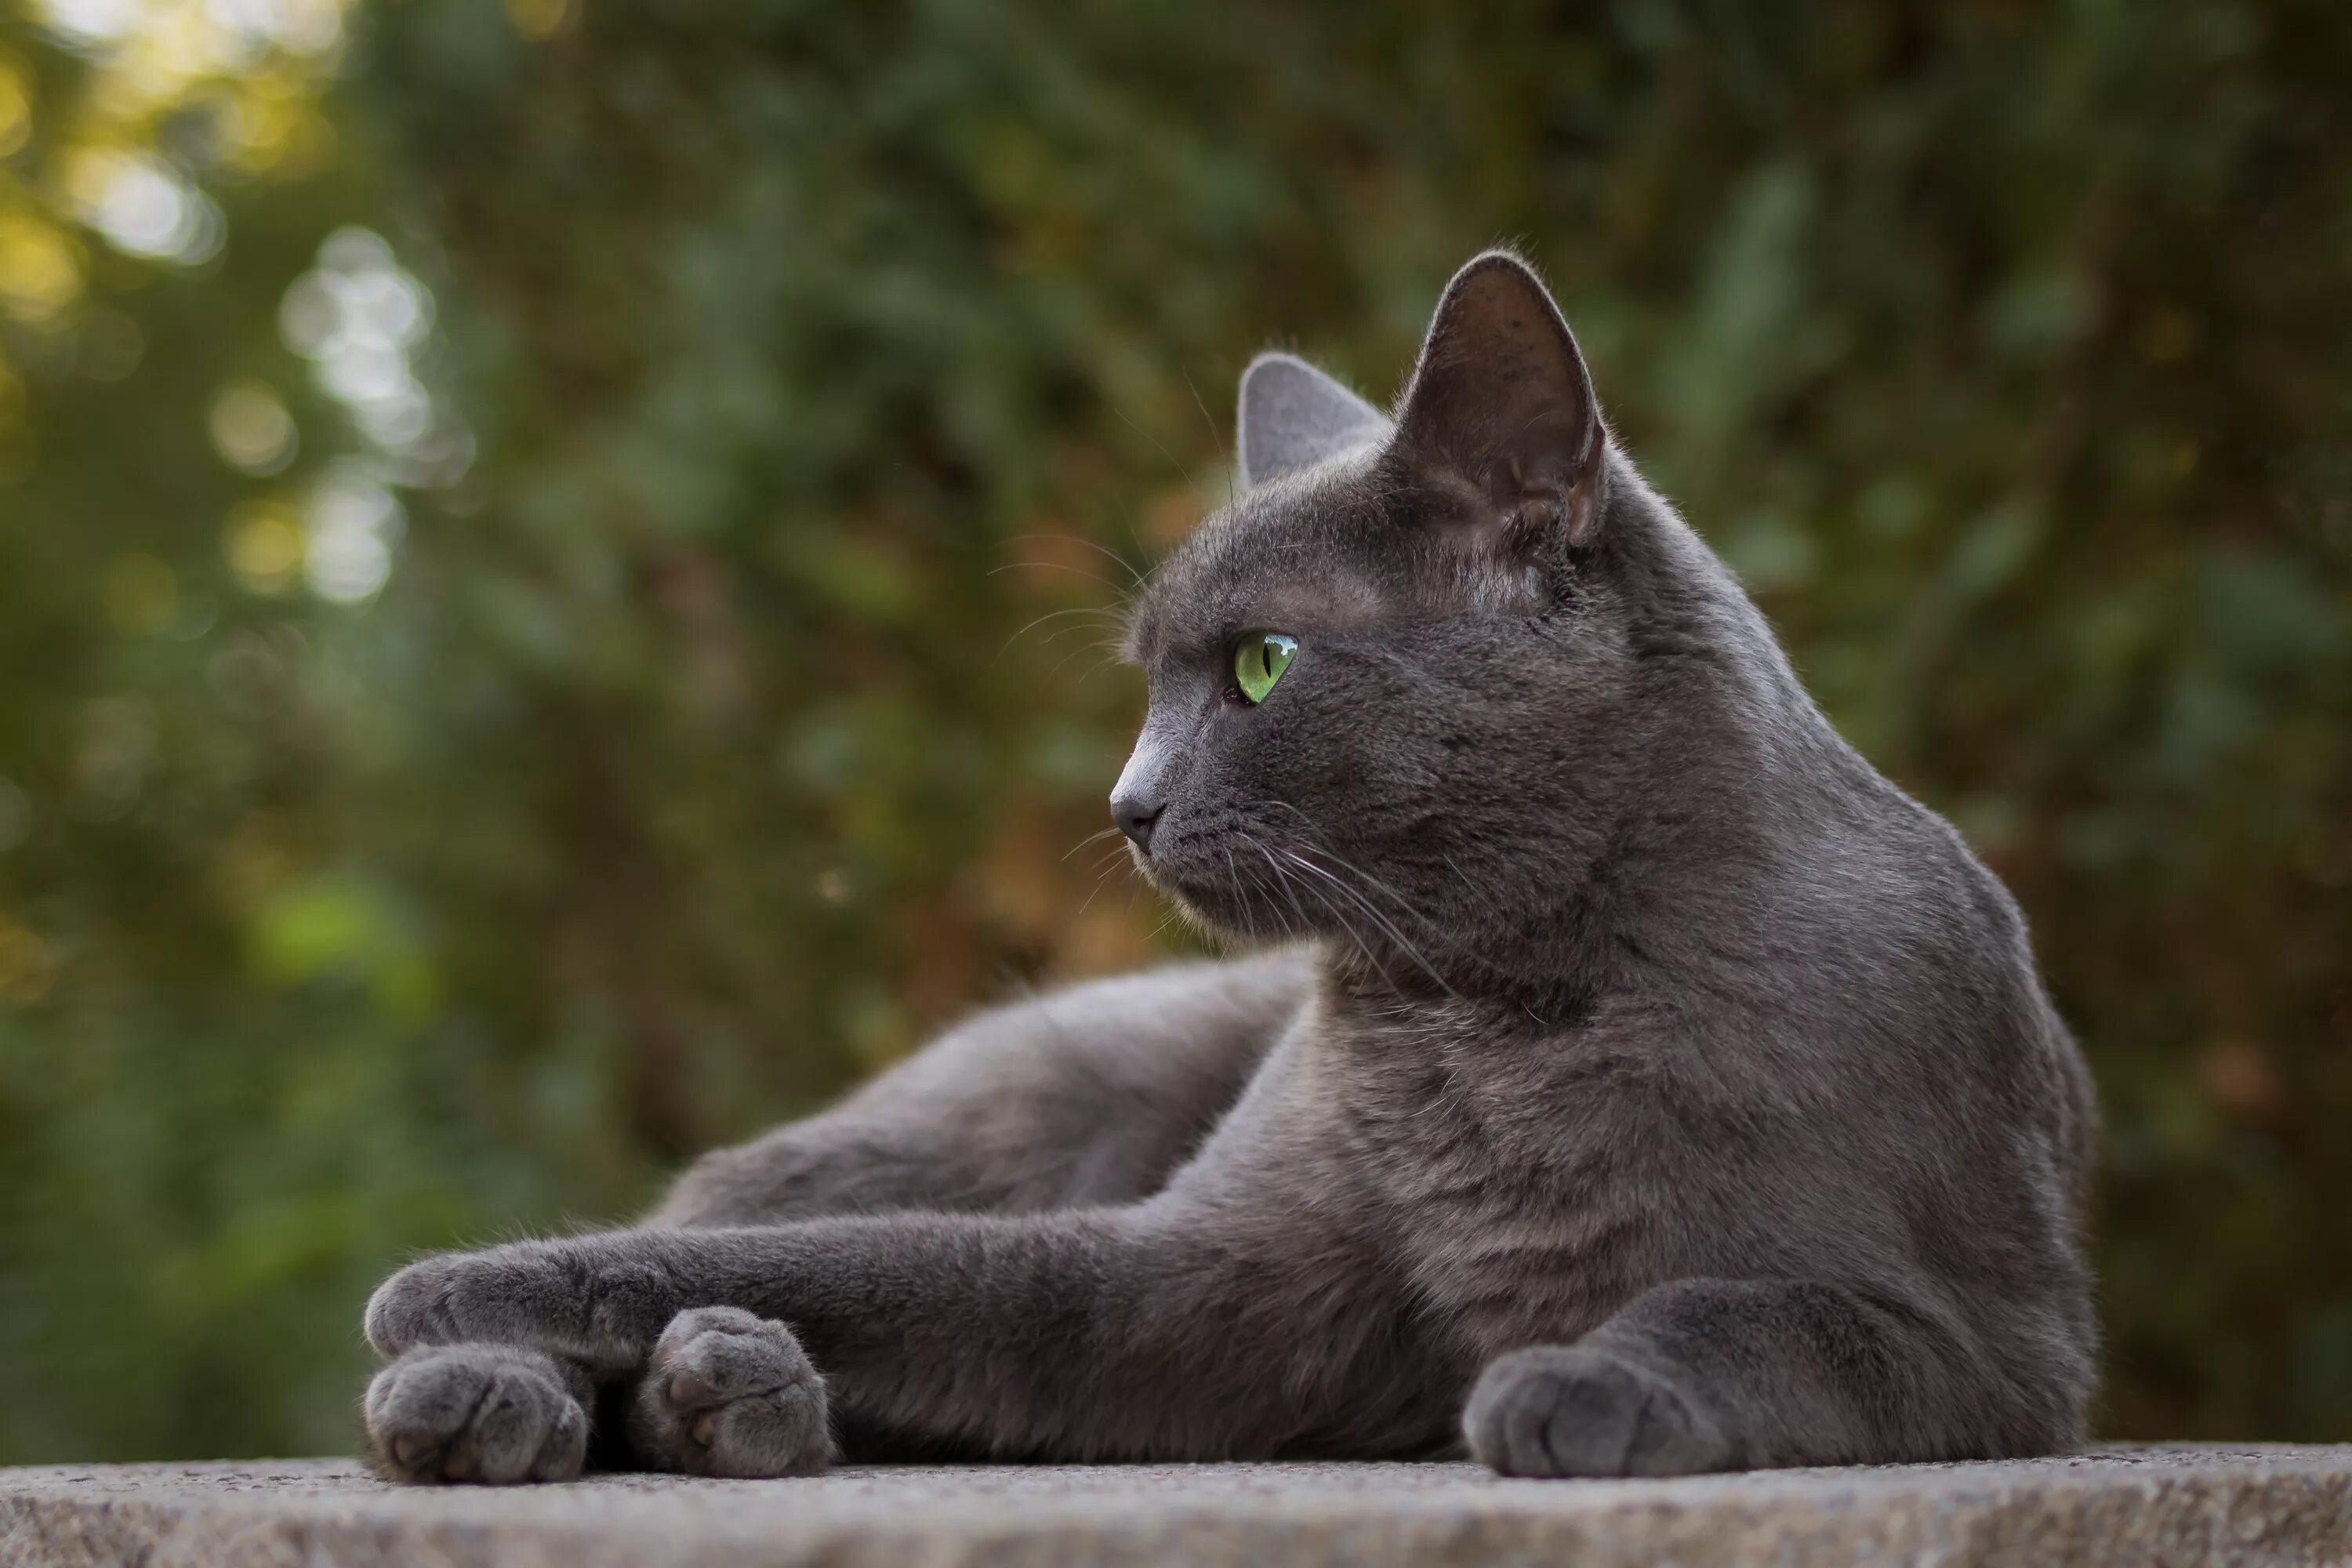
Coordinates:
(728,1393)
(1637,1083)
(1294,416)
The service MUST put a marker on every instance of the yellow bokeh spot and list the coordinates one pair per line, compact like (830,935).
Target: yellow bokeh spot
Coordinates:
(86,173)
(142,595)
(541,18)
(28,966)
(258,127)
(263,544)
(40,272)
(251,429)
(16,110)
(253,71)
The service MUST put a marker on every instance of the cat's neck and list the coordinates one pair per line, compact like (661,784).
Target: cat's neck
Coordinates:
(1378,982)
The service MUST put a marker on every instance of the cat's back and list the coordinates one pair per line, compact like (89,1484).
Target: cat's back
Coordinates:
(1899,981)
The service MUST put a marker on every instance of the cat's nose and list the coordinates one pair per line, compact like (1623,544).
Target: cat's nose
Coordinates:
(1136,814)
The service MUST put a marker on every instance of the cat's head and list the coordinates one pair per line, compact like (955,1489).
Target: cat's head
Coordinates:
(1395,682)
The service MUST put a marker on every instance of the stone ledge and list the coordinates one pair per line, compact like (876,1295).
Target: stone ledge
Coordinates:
(2255,1505)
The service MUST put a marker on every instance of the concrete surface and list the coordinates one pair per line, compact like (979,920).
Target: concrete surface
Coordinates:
(2142,1505)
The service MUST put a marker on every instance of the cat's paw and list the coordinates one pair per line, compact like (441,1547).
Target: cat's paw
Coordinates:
(728,1394)
(1561,1410)
(587,1300)
(492,1415)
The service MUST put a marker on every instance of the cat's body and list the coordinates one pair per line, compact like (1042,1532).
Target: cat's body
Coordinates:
(1634,1065)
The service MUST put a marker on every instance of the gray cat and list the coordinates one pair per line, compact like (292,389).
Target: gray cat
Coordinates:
(1634,1083)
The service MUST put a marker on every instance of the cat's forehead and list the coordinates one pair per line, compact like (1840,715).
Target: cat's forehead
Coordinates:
(1309,549)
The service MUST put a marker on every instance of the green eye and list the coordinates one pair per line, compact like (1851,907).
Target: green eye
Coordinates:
(1259,662)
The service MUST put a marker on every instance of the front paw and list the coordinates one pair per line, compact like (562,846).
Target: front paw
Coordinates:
(586,1300)
(493,1415)
(728,1394)
(1560,1410)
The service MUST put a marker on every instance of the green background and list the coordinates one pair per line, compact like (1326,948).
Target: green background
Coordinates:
(703,747)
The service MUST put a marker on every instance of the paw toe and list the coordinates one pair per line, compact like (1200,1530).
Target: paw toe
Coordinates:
(400,1314)
(489,1414)
(729,1394)
(1571,1412)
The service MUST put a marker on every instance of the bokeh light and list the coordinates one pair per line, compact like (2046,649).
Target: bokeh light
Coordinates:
(350,524)
(251,429)
(143,207)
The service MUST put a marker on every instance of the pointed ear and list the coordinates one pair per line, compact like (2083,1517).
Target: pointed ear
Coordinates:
(1501,405)
(1292,416)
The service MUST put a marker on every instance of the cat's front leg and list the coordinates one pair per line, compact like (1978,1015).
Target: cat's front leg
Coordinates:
(1567,1410)
(728,1392)
(1083,1335)
(1712,1375)
(491,1415)
(599,1301)
(493,1356)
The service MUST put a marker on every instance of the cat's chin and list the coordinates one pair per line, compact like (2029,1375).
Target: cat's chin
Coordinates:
(1219,909)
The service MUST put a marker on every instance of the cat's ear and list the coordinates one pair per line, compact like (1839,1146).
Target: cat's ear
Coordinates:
(1292,416)
(1500,408)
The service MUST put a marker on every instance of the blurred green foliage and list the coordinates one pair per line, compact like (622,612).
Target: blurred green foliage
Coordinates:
(723,726)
